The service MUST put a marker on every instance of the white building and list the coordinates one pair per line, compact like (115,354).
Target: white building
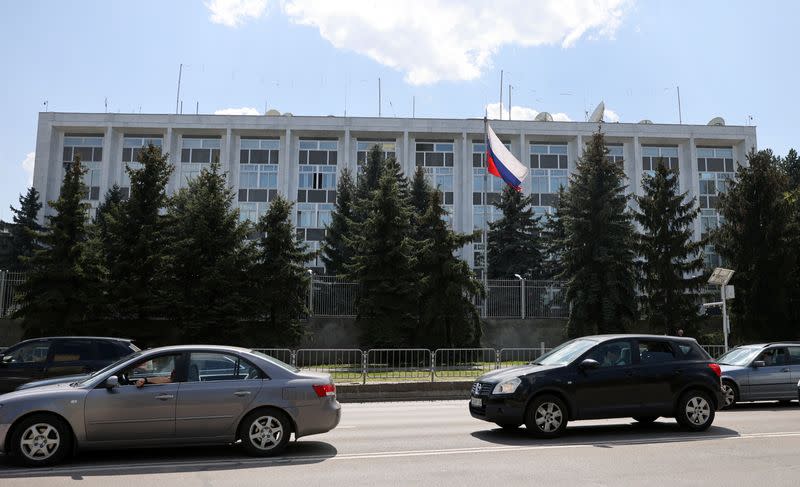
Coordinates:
(301,157)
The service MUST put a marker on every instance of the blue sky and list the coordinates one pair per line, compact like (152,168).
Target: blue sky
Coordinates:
(734,59)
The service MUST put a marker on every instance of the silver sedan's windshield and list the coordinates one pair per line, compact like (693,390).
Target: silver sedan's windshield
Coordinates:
(566,352)
(739,356)
(109,367)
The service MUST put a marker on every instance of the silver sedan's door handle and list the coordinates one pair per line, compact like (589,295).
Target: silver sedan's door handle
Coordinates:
(164,397)
(241,393)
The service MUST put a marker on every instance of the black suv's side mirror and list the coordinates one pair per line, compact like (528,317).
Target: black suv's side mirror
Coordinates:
(759,363)
(6,359)
(590,363)
(111,382)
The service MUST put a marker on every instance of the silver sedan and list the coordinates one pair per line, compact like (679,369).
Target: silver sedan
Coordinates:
(170,396)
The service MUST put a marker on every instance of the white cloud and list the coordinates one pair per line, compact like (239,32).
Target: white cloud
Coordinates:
(233,13)
(237,111)
(27,166)
(610,116)
(435,40)
(521,113)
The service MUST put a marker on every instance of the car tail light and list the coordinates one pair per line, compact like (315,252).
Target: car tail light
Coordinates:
(716,369)
(323,390)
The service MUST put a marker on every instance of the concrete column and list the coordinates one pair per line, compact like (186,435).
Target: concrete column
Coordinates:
(407,160)
(636,169)
(171,146)
(106,166)
(349,160)
(693,182)
(232,145)
(525,159)
(286,166)
(47,162)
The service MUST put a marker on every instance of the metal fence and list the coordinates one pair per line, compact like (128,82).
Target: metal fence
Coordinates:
(10,281)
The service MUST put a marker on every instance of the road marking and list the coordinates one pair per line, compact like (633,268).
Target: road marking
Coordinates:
(302,459)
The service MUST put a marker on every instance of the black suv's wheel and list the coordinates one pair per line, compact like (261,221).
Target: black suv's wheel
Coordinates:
(265,432)
(546,416)
(645,419)
(730,393)
(695,411)
(40,440)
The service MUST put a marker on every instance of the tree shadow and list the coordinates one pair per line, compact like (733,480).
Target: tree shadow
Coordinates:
(170,460)
(606,435)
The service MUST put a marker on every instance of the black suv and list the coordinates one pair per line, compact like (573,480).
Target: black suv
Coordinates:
(44,358)
(608,376)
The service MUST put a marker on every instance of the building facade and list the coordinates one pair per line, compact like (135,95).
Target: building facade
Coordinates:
(301,158)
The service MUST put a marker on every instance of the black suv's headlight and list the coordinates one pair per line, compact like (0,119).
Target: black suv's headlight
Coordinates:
(508,386)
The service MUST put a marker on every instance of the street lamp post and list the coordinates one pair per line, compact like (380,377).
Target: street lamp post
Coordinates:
(720,277)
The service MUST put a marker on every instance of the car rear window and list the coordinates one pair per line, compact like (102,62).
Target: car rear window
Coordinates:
(73,350)
(655,351)
(691,351)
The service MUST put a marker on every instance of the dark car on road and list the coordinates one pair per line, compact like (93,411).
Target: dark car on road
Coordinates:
(761,372)
(607,376)
(45,358)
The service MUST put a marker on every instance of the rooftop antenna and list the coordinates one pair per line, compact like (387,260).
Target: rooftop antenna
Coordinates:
(509,101)
(45,106)
(379,97)
(105,103)
(181,107)
(680,116)
(178,96)
(413,107)
(501,95)
(197,108)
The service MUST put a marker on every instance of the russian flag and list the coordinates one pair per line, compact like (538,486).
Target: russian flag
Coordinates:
(502,163)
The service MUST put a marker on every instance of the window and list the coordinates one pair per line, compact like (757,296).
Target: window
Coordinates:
(29,353)
(716,170)
(317,177)
(549,164)
(364,146)
(613,354)
(615,153)
(72,350)
(311,215)
(132,145)
(258,176)
(794,355)
(654,351)
(161,369)
(89,148)
(652,156)
(774,357)
(205,367)
(197,153)
(437,160)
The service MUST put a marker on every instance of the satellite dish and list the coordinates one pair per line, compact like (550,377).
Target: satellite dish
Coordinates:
(646,122)
(718,121)
(597,114)
(288,114)
(272,112)
(543,117)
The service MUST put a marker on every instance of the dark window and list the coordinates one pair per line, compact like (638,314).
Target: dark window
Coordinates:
(258,195)
(72,350)
(108,351)
(715,164)
(434,159)
(29,353)
(692,351)
(318,157)
(654,351)
(794,355)
(612,354)
(206,367)
(244,157)
(242,195)
(201,155)
(549,161)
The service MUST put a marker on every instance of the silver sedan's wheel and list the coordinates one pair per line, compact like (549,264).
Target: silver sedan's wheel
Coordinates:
(40,440)
(729,393)
(265,432)
(695,411)
(546,416)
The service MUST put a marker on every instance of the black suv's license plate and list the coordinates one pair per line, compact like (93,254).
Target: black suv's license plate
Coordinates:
(476,402)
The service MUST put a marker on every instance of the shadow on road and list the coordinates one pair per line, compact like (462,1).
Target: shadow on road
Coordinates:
(606,436)
(764,406)
(170,460)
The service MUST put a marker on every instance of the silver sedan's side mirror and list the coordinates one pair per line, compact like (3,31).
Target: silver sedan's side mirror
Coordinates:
(111,382)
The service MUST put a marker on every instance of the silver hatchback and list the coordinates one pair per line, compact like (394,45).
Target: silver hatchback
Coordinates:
(761,372)
(168,396)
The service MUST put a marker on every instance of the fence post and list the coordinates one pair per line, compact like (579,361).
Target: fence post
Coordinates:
(311,293)
(3,279)
(433,364)
(496,359)
(541,345)
(522,291)
(364,366)
(293,357)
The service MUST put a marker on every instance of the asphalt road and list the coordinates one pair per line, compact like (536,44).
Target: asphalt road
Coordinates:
(438,443)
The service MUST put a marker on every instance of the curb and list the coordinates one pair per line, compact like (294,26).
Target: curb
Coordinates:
(403,391)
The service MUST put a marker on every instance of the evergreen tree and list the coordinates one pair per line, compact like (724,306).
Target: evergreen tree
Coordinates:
(369,180)
(99,254)
(135,239)
(448,317)
(555,239)
(514,239)
(209,257)
(280,278)
(53,297)
(791,164)
(337,251)
(420,193)
(671,260)
(599,255)
(384,267)
(756,237)
(23,229)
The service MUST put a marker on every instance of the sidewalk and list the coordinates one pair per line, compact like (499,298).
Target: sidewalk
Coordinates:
(403,391)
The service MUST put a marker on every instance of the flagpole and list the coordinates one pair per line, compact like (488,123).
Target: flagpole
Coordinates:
(485,202)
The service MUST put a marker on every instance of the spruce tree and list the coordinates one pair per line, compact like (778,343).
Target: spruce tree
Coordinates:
(53,298)
(100,253)
(420,193)
(554,239)
(337,252)
(384,267)
(756,238)
(23,229)
(281,282)
(791,164)
(671,261)
(514,239)
(136,239)
(208,258)
(448,317)
(600,250)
